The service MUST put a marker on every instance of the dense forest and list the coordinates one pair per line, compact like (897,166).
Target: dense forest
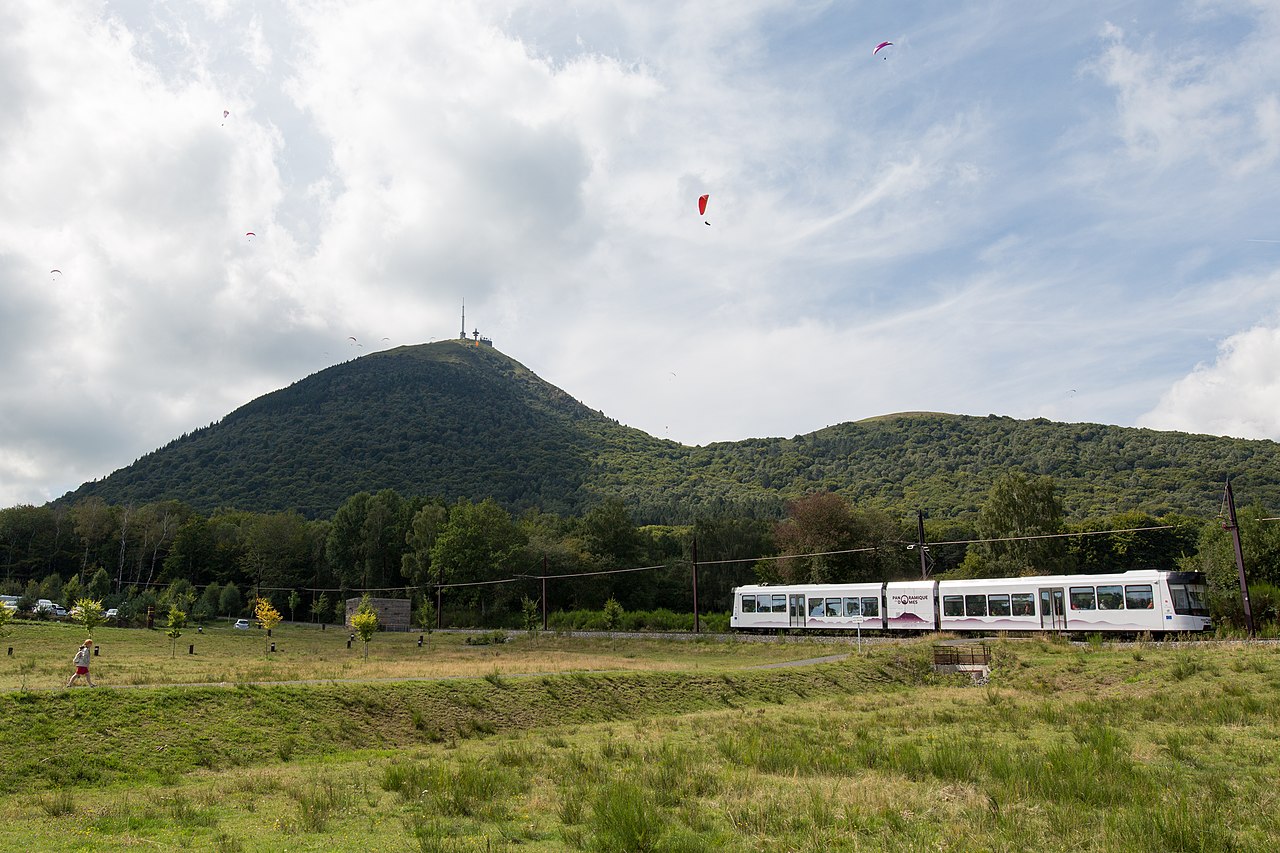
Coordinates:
(455,421)
(452,465)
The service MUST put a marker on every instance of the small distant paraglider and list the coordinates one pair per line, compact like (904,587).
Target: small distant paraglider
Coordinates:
(225,113)
(55,274)
(702,206)
(249,235)
(881,46)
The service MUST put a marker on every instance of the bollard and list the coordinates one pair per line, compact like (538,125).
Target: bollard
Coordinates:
(11,651)
(419,641)
(268,632)
(96,649)
(348,644)
(273,647)
(191,649)
(322,626)
(199,629)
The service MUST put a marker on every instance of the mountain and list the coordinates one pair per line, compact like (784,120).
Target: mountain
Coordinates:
(456,420)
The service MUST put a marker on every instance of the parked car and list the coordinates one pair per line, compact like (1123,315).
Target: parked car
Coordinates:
(44,605)
(242,624)
(113,613)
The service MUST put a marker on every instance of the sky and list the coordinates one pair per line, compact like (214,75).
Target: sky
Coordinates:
(1065,211)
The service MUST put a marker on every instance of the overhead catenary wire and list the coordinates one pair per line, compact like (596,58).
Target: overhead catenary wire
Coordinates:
(410,588)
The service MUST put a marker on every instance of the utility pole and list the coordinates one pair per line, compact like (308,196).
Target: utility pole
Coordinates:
(696,627)
(1234,527)
(924,556)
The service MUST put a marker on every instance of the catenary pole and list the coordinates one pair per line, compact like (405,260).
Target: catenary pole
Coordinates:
(1234,527)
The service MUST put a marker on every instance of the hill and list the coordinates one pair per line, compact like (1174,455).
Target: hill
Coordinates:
(458,421)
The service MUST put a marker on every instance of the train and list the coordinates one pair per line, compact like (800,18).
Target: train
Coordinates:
(1138,601)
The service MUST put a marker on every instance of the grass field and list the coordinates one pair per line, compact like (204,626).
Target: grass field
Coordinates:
(42,653)
(673,746)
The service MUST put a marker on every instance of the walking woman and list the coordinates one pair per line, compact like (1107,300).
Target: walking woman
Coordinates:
(81,660)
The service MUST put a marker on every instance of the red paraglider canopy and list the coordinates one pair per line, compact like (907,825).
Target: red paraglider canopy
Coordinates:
(702,204)
(881,46)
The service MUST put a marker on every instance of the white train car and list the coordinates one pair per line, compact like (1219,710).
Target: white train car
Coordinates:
(1135,601)
(815,606)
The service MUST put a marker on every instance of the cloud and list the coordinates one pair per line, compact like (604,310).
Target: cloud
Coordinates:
(1237,395)
(1020,202)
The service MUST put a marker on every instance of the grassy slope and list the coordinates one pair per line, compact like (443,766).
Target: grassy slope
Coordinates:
(1139,748)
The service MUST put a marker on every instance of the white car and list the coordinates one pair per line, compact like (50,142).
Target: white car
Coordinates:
(242,624)
(113,613)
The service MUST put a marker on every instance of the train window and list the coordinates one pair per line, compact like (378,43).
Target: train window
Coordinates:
(835,607)
(1188,599)
(1110,598)
(816,606)
(779,604)
(870,607)
(975,605)
(999,605)
(1024,604)
(852,607)
(1138,597)
(952,605)
(748,604)
(1082,598)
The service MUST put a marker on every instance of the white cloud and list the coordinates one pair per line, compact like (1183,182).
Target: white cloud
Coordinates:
(1237,395)
(960,228)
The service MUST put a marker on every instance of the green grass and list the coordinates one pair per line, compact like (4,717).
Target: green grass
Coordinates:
(135,657)
(1068,748)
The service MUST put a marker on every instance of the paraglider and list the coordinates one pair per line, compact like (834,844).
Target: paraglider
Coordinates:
(702,206)
(250,235)
(225,113)
(55,274)
(881,46)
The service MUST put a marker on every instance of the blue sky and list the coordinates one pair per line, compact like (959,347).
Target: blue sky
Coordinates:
(1057,212)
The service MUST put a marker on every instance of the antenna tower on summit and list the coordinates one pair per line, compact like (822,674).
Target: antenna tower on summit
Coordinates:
(476,338)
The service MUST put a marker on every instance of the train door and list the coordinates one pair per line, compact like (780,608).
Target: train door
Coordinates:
(1053,609)
(795,607)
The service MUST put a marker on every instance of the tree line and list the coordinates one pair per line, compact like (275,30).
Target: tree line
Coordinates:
(166,553)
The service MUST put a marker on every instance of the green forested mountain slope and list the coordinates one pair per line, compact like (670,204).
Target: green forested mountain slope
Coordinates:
(437,419)
(453,420)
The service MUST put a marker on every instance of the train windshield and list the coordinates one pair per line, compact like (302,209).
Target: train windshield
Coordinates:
(1189,599)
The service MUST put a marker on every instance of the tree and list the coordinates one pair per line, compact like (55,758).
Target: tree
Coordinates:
(207,605)
(266,614)
(100,585)
(477,544)
(613,614)
(831,542)
(71,590)
(93,523)
(425,618)
(177,621)
(1019,518)
(421,538)
(90,614)
(320,608)
(532,619)
(6,617)
(365,622)
(294,600)
(230,602)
